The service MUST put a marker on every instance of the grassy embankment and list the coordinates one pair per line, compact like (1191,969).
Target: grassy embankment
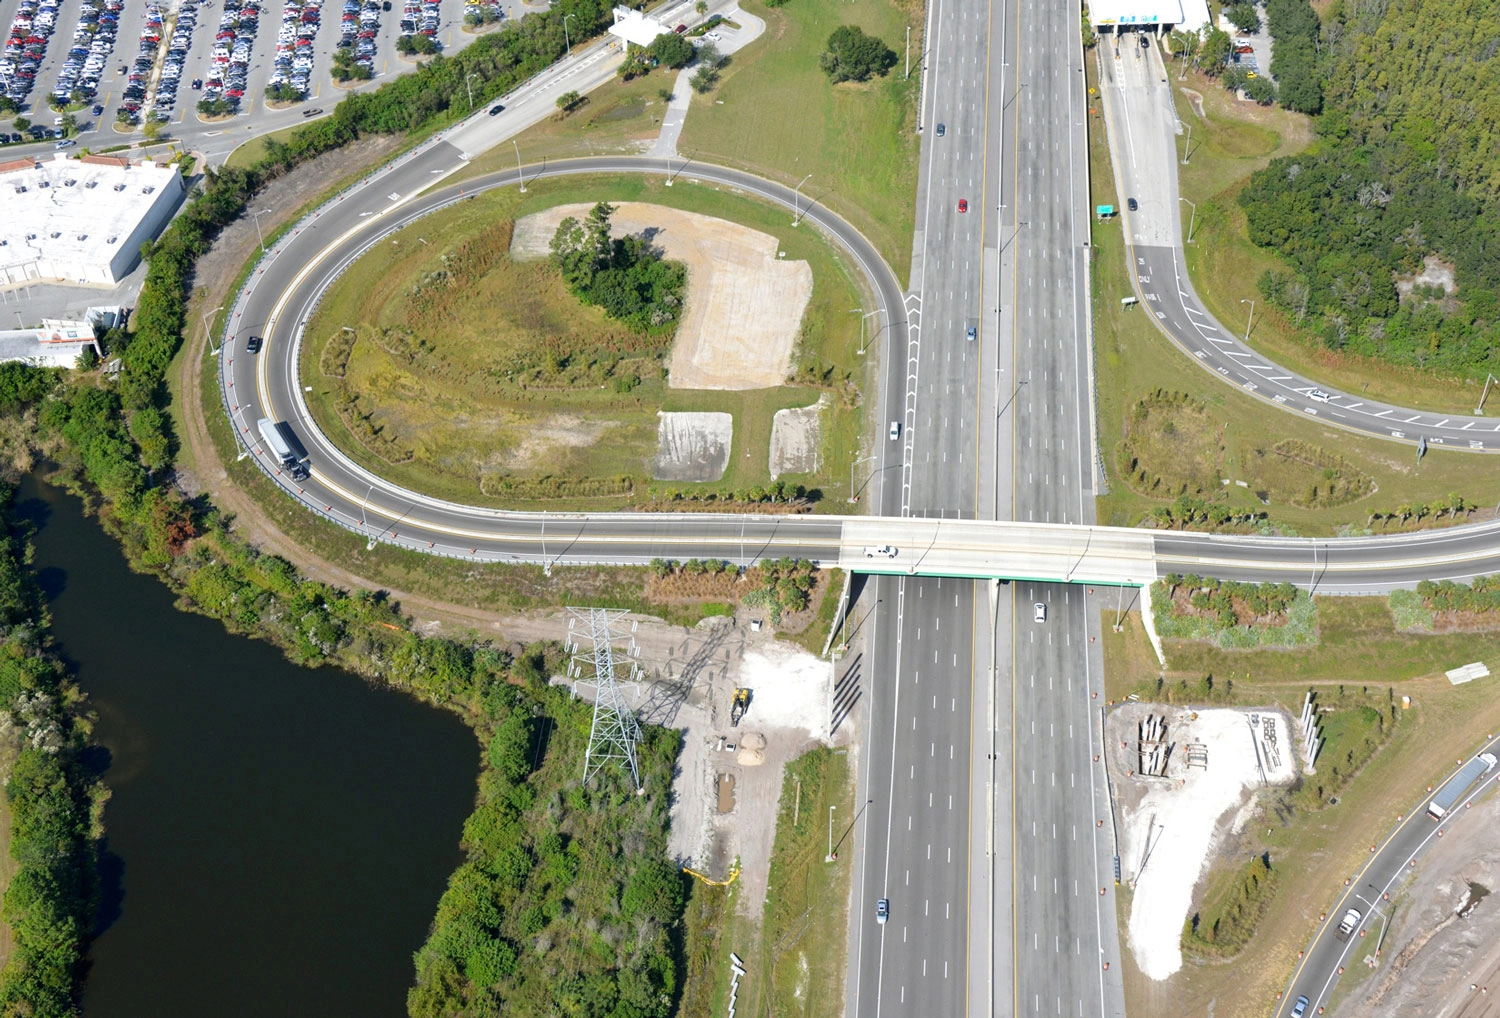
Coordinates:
(795,955)
(1233,435)
(450,420)
(1365,666)
(777,115)
(1236,139)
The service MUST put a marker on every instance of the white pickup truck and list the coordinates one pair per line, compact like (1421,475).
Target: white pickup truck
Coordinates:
(880,551)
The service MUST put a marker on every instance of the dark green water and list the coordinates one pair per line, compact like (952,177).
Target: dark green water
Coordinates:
(278,836)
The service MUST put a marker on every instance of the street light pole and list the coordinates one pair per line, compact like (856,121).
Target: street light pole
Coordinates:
(853,492)
(797,201)
(1248,321)
(519,175)
(1192,218)
(256,216)
(1187,146)
(470,89)
(862,318)
(830,857)
(565,33)
(206,316)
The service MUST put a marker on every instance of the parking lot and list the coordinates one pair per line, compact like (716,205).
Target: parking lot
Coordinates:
(233,51)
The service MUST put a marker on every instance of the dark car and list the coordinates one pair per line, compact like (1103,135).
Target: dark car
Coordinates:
(1132,204)
(254,343)
(680,29)
(942,130)
(98,109)
(1145,42)
(311,113)
(495,110)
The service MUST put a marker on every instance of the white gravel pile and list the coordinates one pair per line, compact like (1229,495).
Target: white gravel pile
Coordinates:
(1170,835)
(790,689)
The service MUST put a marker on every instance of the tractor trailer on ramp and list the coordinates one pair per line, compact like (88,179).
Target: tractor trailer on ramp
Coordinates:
(1458,785)
(284,445)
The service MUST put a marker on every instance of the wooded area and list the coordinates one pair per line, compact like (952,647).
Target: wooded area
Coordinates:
(1407,166)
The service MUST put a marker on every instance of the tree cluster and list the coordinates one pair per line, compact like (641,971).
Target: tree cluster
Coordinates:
(422,45)
(1234,915)
(854,56)
(1481,595)
(53,799)
(1453,504)
(1222,599)
(566,903)
(1187,511)
(1404,169)
(625,276)
(1294,56)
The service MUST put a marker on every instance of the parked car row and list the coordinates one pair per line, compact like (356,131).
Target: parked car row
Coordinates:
(421,17)
(294,44)
(138,74)
(93,42)
(171,69)
(25,47)
(228,74)
(357,28)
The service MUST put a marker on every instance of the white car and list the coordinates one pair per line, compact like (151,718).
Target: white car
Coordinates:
(880,551)
(1319,395)
(882,911)
(895,430)
(1039,612)
(715,36)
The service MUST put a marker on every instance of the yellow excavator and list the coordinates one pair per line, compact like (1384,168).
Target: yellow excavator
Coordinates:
(738,707)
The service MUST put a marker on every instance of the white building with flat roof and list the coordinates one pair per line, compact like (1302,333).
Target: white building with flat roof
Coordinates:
(81,220)
(55,344)
(1160,15)
(633,26)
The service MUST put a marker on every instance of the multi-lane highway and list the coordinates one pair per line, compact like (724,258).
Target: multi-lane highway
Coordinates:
(1373,892)
(1142,122)
(980,796)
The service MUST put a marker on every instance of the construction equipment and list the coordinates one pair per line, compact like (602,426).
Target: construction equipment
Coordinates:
(738,707)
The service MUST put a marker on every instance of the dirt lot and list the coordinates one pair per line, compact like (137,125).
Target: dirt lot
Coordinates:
(692,446)
(744,304)
(1438,946)
(796,439)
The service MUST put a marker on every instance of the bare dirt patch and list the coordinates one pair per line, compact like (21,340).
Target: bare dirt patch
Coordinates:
(796,439)
(744,304)
(692,446)
(1445,932)
(550,435)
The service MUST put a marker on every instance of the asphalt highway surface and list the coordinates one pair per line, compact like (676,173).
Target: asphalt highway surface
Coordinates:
(1143,126)
(1370,892)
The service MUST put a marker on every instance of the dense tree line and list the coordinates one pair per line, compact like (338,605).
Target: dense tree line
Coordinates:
(625,276)
(1481,595)
(566,903)
(1407,165)
(1294,54)
(53,797)
(1211,596)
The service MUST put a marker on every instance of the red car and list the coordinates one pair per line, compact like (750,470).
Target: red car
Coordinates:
(963,204)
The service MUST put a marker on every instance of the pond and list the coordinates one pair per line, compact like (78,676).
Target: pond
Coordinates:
(278,837)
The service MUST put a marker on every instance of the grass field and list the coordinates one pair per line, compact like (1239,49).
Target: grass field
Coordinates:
(1316,851)
(1133,359)
(440,420)
(1235,140)
(252,151)
(617,117)
(776,114)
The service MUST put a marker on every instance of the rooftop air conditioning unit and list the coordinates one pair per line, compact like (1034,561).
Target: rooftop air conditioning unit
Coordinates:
(110,240)
(92,184)
(56,234)
(83,236)
(147,190)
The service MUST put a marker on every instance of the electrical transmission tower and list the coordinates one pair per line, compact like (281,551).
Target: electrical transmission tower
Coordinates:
(615,731)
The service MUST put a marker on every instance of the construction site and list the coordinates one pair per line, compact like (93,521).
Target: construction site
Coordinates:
(1184,780)
(746,704)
